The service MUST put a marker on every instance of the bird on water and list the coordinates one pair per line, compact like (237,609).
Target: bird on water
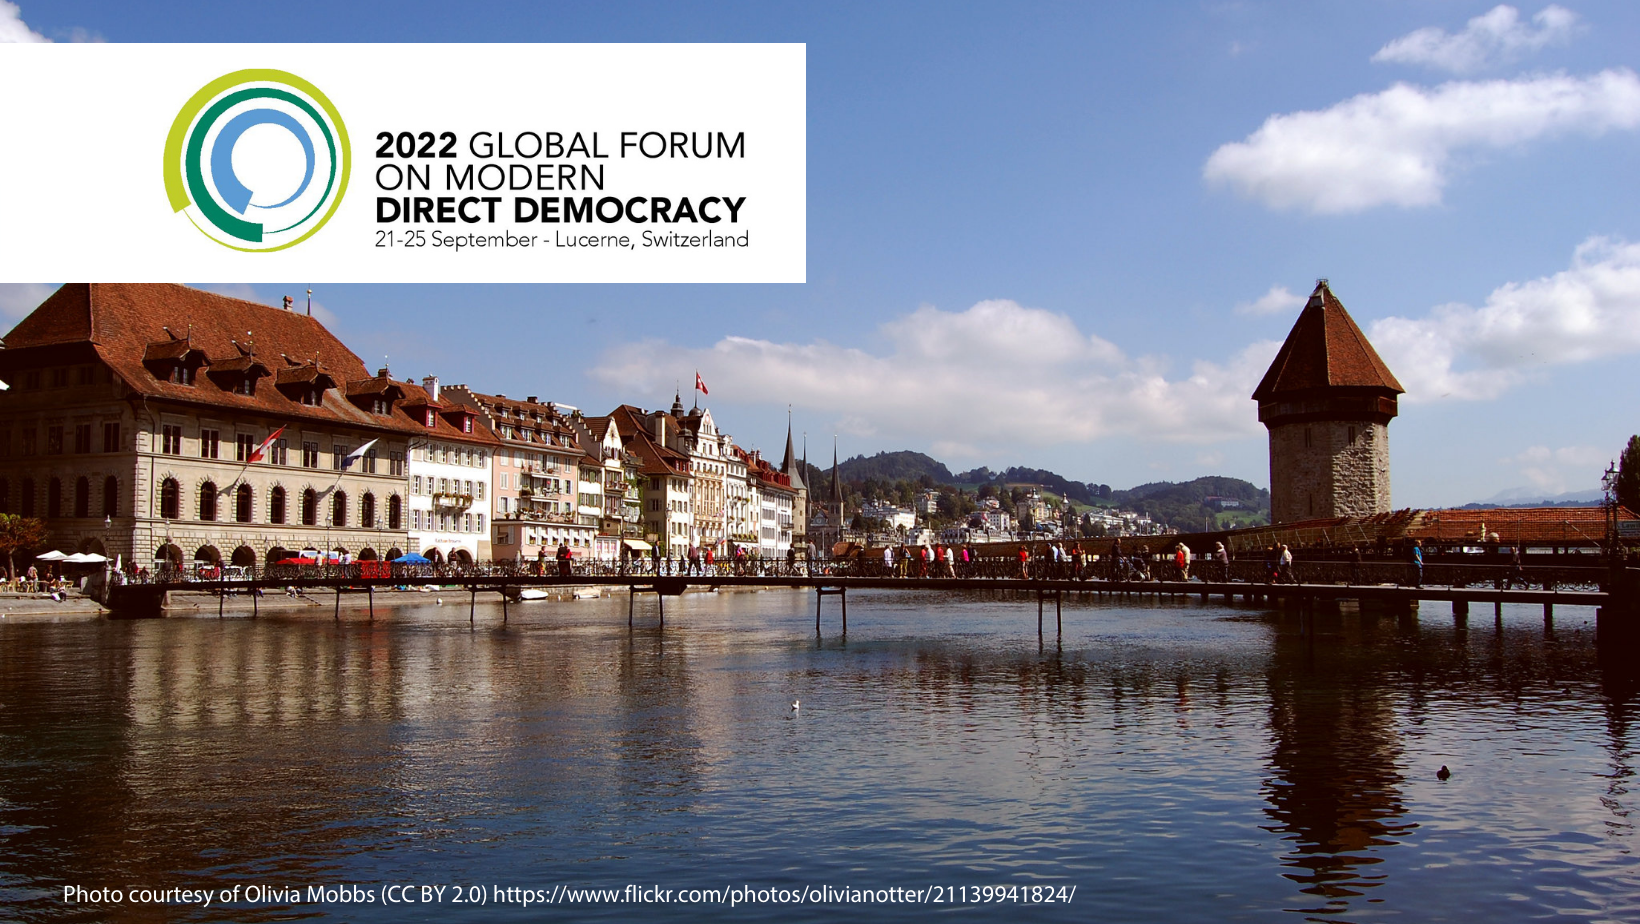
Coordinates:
(797,705)
(1443,774)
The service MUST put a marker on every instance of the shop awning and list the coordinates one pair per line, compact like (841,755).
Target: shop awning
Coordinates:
(636,545)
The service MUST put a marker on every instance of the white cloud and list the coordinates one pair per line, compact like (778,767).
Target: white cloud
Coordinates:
(1396,147)
(1279,299)
(995,375)
(12,27)
(17,299)
(1556,471)
(1495,37)
(1587,311)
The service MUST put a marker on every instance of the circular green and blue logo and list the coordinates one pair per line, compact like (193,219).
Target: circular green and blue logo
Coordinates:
(258,160)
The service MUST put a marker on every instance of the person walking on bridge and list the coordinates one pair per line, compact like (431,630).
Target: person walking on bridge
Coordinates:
(888,561)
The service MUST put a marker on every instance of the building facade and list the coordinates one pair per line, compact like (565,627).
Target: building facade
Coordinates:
(534,478)
(1327,400)
(451,464)
(136,413)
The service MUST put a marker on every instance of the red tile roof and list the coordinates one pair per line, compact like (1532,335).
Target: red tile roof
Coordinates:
(127,323)
(1325,349)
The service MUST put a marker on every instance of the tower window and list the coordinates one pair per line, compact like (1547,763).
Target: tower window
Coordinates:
(1307,440)
(1352,436)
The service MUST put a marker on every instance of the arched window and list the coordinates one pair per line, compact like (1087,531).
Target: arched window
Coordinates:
(5,495)
(82,496)
(338,509)
(367,511)
(244,505)
(25,498)
(276,506)
(207,501)
(395,512)
(310,508)
(111,496)
(170,499)
(54,497)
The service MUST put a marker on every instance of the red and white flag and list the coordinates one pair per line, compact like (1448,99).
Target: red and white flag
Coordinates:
(262,450)
(701,384)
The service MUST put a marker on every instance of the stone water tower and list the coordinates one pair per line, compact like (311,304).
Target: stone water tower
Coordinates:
(1327,401)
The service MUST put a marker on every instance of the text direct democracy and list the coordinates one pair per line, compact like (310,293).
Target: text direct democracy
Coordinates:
(405,167)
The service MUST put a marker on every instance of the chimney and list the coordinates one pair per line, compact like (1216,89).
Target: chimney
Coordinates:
(431,384)
(288,302)
(532,399)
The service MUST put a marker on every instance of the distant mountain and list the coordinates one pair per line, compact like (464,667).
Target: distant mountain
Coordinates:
(1529,497)
(1081,492)
(1164,500)
(884,466)
(1194,492)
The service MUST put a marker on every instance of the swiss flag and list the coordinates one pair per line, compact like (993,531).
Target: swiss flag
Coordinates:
(262,450)
(701,384)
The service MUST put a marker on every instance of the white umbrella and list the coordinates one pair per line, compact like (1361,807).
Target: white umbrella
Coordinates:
(85,558)
(52,555)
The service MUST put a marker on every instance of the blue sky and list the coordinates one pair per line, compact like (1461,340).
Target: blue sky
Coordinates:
(1070,235)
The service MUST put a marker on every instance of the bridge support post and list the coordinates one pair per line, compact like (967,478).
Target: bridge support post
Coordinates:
(503,607)
(472,604)
(1460,613)
(256,599)
(338,614)
(631,602)
(221,598)
(1548,614)
(370,590)
(1059,614)
(1617,624)
(1497,613)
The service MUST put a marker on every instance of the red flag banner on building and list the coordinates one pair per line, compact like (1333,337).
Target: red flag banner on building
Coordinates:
(262,450)
(701,384)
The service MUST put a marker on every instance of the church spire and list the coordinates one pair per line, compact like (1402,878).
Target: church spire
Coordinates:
(788,465)
(836,492)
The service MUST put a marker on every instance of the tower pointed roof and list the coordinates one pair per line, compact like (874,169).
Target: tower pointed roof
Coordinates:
(1324,350)
(788,465)
(836,492)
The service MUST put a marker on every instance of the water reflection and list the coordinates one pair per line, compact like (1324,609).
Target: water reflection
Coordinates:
(1335,790)
(1159,749)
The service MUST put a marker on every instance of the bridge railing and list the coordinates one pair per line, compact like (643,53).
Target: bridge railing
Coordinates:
(1134,568)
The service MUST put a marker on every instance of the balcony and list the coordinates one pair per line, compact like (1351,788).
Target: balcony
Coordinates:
(443,501)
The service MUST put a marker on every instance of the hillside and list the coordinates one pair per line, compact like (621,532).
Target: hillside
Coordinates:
(892,474)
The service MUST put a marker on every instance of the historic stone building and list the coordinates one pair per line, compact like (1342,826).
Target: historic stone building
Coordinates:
(135,413)
(1327,400)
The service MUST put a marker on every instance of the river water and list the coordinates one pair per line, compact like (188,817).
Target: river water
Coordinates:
(1162,761)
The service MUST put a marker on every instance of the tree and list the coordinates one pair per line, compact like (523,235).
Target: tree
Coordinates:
(1628,475)
(17,534)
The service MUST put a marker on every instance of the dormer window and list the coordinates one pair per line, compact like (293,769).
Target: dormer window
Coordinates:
(245,386)
(466,424)
(380,406)
(313,397)
(432,418)
(182,375)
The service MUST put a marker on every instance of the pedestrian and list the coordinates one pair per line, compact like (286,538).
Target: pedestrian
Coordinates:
(1287,565)
(1024,561)
(563,557)
(888,560)
(1417,563)
(1355,563)
(1181,559)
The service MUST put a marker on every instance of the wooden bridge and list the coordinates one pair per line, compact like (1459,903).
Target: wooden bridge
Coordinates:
(1619,611)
